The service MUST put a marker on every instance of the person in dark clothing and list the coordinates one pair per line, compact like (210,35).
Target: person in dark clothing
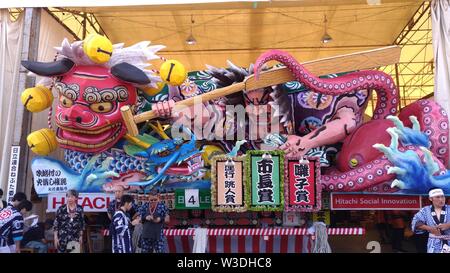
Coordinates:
(11,226)
(115,205)
(421,241)
(153,216)
(3,203)
(121,235)
(382,226)
(69,225)
(16,200)
(35,238)
(398,230)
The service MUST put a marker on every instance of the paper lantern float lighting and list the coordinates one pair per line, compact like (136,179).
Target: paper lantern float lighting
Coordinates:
(37,99)
(42,142)
(98,48)
(173,72)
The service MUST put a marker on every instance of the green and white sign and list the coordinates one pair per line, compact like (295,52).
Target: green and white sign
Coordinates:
(192,199)
(265,180)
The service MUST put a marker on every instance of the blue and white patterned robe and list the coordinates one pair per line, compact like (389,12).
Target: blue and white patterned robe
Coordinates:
(11,226)
(424,215)
(121,236)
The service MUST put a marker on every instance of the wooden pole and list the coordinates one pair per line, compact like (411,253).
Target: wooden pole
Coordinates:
(127,116)
(349,62)
(221,92)
(84,25)
(23,121)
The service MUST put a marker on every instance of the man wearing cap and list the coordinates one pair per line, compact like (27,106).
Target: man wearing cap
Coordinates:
(435,219)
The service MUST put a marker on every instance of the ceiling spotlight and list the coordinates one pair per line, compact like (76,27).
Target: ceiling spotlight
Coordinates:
(191,40)
(326,38)
(373,2)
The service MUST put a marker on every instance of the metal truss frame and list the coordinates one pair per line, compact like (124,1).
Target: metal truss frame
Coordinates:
(414,74)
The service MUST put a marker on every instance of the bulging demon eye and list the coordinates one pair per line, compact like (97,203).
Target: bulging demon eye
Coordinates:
(101,107)
(65,101)
(355,161)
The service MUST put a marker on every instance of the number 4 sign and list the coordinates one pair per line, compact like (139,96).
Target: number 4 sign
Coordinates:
(192,199)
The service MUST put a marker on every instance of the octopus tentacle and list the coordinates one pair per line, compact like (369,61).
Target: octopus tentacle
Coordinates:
(433,122)
(368,175)
(379,81)
(363,177)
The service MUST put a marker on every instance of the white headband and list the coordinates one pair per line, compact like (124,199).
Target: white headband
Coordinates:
(436,192)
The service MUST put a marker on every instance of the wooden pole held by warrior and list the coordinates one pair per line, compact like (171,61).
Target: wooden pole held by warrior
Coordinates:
(127,116)
(342,63)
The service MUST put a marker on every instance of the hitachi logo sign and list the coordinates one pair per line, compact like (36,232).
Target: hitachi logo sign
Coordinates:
(91,202)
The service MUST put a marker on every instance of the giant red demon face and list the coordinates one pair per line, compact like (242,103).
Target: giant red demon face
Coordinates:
(88,113)
(90,97)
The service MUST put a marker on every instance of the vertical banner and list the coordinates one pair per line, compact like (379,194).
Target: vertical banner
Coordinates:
(13,169)
(264,184)
(302,184)
(227,187)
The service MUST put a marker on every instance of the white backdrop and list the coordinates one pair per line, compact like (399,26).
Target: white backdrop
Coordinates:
(440,15)
(10,46)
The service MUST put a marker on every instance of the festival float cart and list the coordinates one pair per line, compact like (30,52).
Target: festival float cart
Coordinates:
(243,195)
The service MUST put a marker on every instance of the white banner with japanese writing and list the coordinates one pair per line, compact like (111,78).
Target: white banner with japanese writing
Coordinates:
(13,169)
(227,184)
(264,189)
(302,184)
(49,177)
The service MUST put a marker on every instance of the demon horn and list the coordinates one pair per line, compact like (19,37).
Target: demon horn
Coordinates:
(51,69)
(129,73)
